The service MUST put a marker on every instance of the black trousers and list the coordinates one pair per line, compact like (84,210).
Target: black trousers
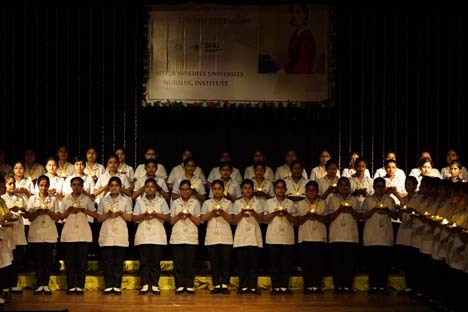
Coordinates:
(378,263)
(76,263)
(280,265)
(43,261)
(6,274)
(112,262)
(18,264)
(150,263)
(312,262)
(220,261)
(247,259)
(184,264)
(343,257)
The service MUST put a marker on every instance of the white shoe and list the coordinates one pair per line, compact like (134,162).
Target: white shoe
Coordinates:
(225,286)
(145,288)
(6,290)
(155,288)
(283,289)
(39,289)
(180,289)
(116,289)
(16,289)
(108,290)
(47,290)
(78,289)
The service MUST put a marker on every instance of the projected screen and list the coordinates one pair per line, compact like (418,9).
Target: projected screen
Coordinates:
(238,53)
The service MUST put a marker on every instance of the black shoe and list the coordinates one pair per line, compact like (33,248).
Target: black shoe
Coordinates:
(117,291)
(79,292)
(155,290)
(179,290)
(242,292)
(47,291)
(287,291)
(308,291)
(338,290)
(225,291)
(275,291)
(107,291)
(349,290)
(255,291)
(372,290)
(384,291)
(216,290)
(190,291)
(70,291)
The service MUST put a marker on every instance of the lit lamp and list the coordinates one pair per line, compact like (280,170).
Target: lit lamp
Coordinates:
(312,208)
(445,221)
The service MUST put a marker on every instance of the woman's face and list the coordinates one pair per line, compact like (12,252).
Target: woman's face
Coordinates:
(298,18)
(451,156)
(426,169)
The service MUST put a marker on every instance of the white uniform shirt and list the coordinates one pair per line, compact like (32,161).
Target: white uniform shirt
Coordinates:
(319,172)
(34,172)
(248,231)
(415,172)
(312,230)
(364,183)
(114,231)
(324,183)
(126,170)
(344,228)
(76,227)
(445,173)
(185,231)
(218,230)
(88,184)
(295,188)
(141,171)
(249,173)
(381,173)
(349,172)
(56,183)
(43,228)
(151,231)
(141,183)
(266,186)
(378,230)
(65,170)
(284,171)
(404,230)
(178,173)
(215,174)
(399,183)
(25,184)
(104,181)
(417,225)
(280,230)
(96,170)
(19,236)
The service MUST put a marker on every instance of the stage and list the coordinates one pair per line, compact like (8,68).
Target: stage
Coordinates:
(202,301)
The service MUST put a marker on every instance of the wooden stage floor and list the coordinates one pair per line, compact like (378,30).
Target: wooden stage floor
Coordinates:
(130,300)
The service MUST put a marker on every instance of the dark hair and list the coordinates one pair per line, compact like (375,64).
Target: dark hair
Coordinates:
(331,162)
(78,158)
(151,161)
(312,183)
(120,148)
(412,179)
(51,158)
(422,161)
(2,179)
(91,147)
(151,180)
(76,179)
(115,179)
(225,164)
(110,157)
(43,177)
(345,179)
(10,176)
(457,163)
(279,181)
(184,182)
(217,181)
(247,182)
(189,159)
(388,161)
(19,162)
(358,160)
(303,7)
(295,162)
(259,163)
(379,179)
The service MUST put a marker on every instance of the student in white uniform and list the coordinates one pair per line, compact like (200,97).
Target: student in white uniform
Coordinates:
(123,167)
(43,211)
(361,184)
(88,182)
(178,172)
(32,169)
(451,157)
(56,182)
(231,187)
(65,169)
(431,172)
(24,186)
(101,188)
(312,238)
(6,246)
(215,173)
(328,184)
(403,240)
(378,235)
(151,154)
(5,168)
(395,184)
(185,219)
(381,172)
(161,187)
(343,235)
(454,172)
(285,170)
(320,171)
(114,211)
(280,214)
(249,171)
(17,206)
(150,213)
(76,234)
(248,212)
(93,169)
(263,189)
(217,212)
(198,189)
(351,169)
(295,184)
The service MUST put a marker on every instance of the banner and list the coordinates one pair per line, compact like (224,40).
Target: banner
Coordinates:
(238,53)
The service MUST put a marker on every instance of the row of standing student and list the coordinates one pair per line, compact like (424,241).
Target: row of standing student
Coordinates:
(279,212)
